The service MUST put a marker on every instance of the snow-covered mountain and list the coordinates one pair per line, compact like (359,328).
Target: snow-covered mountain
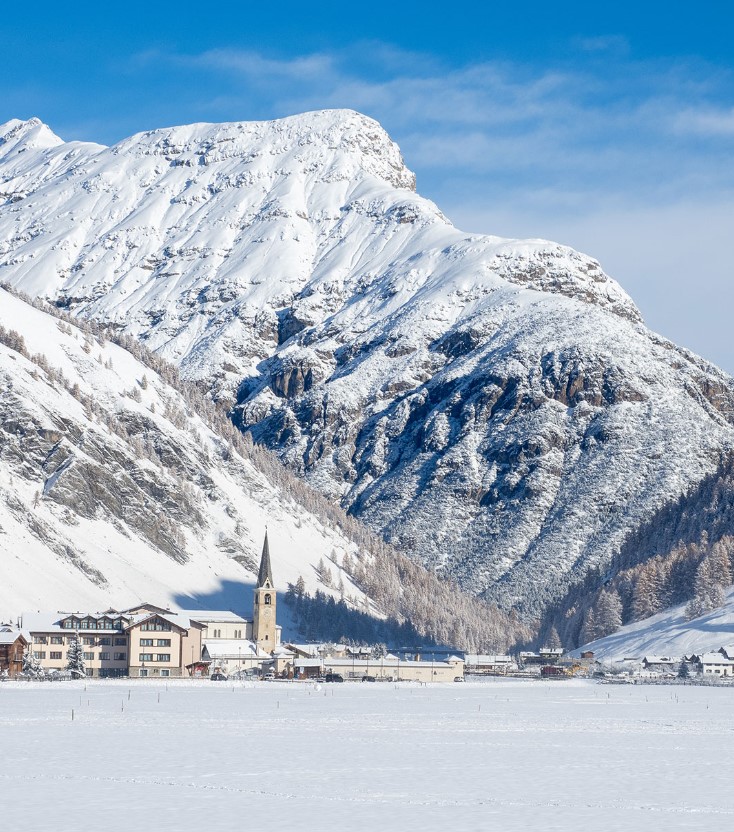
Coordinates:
(113,489)
(495,407)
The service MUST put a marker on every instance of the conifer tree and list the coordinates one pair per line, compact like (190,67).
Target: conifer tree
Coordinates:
(75,659)
(608,612)
(588,631)
(31,665)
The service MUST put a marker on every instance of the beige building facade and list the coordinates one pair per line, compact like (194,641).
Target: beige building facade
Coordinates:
(102,635)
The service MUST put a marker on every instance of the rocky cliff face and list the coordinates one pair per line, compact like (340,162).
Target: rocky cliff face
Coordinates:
(495,407)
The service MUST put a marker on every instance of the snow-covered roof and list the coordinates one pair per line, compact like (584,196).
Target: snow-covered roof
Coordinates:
(9,636)
(660,660)
(716,658)
(214,616)
(43,622)
(480,658)
(232,648)
(728,651)
(307,649)
(382,662)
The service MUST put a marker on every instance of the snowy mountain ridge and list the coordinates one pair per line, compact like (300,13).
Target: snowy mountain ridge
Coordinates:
(494,407)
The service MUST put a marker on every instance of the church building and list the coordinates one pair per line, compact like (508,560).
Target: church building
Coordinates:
(264,632)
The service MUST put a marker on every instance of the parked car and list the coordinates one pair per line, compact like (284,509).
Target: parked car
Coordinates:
(334,677)
(368,679)
(218,677)
(458,678)
(269,676)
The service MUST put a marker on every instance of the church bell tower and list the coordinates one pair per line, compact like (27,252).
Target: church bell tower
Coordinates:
(263,616)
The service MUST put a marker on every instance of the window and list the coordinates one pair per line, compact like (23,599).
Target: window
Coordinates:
(57,639)
(55,654)
(267,599)
(105,642)
(88,640)
(120,642)
(165,672)
(146,642)
(217,634)
(89,657)
(104,657)
(88,624)
(238,633)
(90,672)
(163,657)
(266,637)
(40,639)
(143,671)
(163,642)
(39,654)
(120,657)
(145,657)
(67,624)
(156,624)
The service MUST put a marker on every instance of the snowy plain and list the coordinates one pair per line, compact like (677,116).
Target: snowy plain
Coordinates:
(504,754)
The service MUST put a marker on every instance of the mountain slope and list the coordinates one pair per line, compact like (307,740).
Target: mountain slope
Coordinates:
(118,482)
(669,633)
(112,489)
(494,407)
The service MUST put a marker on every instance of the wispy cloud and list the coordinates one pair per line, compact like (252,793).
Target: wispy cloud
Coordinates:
(628,160)
(603,124)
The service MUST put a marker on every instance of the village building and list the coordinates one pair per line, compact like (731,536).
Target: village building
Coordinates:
(103,637)
(265,633)
(660,664)
(386,668)
(162,644)
(716,664)
(485,665)
(13,644)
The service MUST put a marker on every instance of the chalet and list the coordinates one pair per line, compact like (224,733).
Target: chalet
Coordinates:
(660,664)
(716,664)
(13,644)
(727,651)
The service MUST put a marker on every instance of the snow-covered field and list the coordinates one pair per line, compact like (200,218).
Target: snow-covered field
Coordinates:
(500,755)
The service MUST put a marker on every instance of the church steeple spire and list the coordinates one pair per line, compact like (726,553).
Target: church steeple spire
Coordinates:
(265,575)
(264,629)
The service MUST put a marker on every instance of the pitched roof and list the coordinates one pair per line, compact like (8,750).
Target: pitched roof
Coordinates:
(266,570)
(213,616)
(11,636)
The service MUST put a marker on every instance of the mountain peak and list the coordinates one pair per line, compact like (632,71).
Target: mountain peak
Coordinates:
(17,135)
(342,142)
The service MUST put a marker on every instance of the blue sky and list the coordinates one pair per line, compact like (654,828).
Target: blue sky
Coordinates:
(609,128)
